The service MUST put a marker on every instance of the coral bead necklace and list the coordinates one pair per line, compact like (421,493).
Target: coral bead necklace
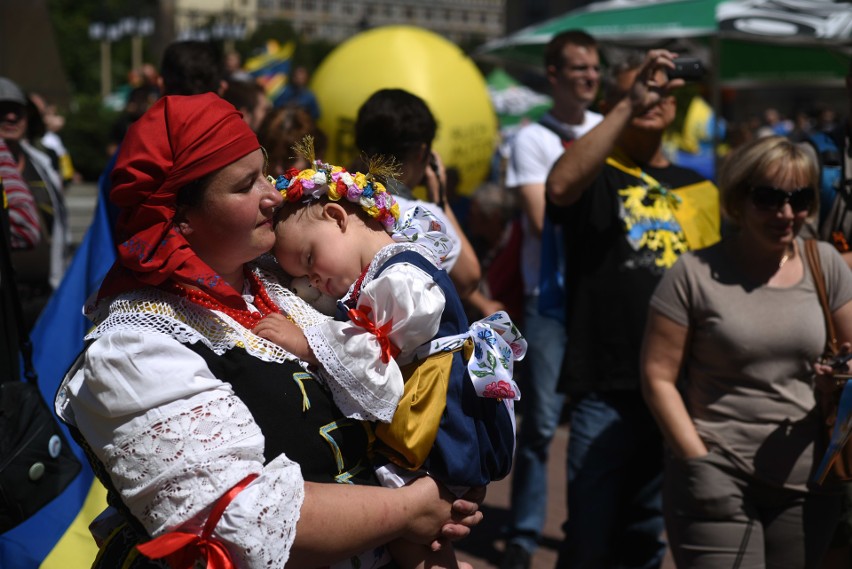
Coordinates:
(247,318)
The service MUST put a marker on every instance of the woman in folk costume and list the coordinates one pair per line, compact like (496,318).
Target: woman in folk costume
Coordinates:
(218,443)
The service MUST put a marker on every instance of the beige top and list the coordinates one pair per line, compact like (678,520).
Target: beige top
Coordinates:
(749,365)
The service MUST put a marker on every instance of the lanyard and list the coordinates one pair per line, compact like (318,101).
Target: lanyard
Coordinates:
(654,188)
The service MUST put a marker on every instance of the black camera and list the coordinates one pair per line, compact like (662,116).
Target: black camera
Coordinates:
(838,363)
(687,68)
(433,162)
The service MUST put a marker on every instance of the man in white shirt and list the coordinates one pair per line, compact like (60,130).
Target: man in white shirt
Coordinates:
(573,70)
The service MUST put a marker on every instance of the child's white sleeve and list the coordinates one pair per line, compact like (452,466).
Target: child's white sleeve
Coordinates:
(400,310)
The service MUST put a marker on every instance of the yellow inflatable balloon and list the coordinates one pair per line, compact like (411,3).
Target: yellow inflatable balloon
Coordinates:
(423,63)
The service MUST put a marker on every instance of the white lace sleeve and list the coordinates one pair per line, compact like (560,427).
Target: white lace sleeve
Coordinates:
(174,438)
(403,297)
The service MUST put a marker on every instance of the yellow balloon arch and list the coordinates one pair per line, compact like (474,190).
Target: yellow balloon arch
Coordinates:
(423,63)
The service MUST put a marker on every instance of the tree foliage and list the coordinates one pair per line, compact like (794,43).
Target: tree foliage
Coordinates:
(86,132)
(81,55)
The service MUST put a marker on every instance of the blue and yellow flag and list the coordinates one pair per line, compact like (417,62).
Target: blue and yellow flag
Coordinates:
(272,67)
(57,537)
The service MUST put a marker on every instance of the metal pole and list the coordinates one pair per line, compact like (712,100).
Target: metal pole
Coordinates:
(106,66)
(136,51)
(716,97)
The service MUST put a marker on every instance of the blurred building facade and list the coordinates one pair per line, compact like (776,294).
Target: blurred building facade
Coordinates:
(210,19)
(337,20)
(523,13)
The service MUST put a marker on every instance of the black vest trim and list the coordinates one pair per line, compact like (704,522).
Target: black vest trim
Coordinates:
(296,415)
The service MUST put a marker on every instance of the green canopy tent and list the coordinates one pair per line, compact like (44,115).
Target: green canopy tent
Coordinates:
(750,41)
(513,102)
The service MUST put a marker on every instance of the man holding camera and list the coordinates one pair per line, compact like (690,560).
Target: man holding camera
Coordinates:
(627,214)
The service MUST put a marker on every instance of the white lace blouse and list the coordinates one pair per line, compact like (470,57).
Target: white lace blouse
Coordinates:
(174,437)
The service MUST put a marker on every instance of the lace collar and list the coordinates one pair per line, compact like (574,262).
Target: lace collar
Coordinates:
(154,310)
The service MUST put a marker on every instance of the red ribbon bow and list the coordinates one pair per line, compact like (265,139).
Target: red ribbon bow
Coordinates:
(361,318)
(182,549)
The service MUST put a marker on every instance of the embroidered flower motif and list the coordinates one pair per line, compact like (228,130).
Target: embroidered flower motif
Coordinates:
(499,390)
(487,336)
(477,351)
(505,356)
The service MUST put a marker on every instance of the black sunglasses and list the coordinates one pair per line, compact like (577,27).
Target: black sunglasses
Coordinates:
(768,197)
(16,109)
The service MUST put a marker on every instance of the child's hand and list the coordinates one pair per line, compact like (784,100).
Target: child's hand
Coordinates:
(278,329)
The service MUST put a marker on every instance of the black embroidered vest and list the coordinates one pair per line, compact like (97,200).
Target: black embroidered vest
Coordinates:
(296,415)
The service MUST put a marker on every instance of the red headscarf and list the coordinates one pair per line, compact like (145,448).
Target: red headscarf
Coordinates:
(180,139)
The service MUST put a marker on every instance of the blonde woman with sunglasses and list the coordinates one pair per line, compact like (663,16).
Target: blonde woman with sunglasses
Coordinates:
(728,367)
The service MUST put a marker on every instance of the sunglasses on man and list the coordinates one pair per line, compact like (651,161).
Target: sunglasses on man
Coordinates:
(771,198)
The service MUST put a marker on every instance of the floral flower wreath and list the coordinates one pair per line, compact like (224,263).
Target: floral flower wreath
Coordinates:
(335,182)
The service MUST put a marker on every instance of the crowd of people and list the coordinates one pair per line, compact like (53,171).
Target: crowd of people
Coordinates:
(670,315)
(702,384)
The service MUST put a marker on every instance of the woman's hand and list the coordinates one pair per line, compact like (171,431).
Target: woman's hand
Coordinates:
(359,518)
(663,348)
(466,515)
(439,513)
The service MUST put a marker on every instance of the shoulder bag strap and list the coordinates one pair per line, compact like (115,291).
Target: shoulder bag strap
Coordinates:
(812,255)
(23,335)
(550,123)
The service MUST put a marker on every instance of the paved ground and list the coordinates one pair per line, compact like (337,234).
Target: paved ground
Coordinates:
(484,547)
(81,199)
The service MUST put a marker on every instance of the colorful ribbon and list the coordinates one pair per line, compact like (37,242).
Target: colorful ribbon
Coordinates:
(183,550)
(497,343)
(361,318)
